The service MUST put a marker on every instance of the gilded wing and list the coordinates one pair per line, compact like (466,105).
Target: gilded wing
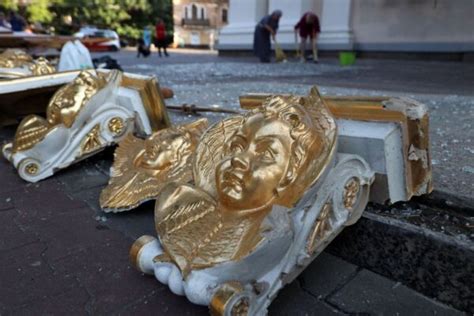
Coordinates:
(127,187)
(129,192)
(194,233)
(325,124)
(31,131)
(209,152)
(126,151)
(320,113)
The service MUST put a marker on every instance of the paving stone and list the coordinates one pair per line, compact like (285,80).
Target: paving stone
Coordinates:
(135,223)
(325,274)
(90,197)
(163,302)
(26,276)
(68,233)
(12,235)
(81,176)
(9,180)
(8,198)
(373,294)
(104,271)
(435,264)
(294,300)
(45,196)
(71,302)
(6,201)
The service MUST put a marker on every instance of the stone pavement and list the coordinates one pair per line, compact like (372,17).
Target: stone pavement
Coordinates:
(60,254)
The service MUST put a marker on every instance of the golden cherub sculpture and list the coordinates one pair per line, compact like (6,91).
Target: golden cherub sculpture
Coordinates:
(142,167)
(62,109)
(89,113)
(16,63)
(244,165)
(246,221)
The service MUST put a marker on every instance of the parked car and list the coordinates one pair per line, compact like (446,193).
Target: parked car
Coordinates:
(99,39)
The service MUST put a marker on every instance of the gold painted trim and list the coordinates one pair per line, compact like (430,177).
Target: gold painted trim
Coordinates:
(137,247)
(152,99)
(116,125)
(221,299)
(41,78)
(415,132)
(32,168)
(351,193)
(91,141)
(321,227)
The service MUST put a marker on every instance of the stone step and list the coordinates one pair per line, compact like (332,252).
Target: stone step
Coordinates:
(426,244)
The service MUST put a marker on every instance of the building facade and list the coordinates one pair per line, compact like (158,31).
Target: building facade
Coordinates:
(197,22)
(361,25)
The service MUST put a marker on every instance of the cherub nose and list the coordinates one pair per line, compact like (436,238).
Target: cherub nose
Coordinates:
(238,161)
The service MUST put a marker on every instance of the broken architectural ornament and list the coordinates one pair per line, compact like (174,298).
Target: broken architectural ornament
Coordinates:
(15,63)
(142,167)
(391,134)
(270,193)
(94,110)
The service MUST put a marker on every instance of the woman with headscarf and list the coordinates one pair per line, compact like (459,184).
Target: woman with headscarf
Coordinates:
(267,27)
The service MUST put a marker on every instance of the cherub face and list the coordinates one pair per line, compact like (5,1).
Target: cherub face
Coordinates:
(66,99)
(255,162)
(158,156)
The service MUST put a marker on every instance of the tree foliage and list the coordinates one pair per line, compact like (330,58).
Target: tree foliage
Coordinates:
(127,17)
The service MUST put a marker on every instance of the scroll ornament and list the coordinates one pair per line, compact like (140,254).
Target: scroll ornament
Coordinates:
(82,118)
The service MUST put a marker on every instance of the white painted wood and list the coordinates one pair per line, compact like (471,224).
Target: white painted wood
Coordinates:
(283,251)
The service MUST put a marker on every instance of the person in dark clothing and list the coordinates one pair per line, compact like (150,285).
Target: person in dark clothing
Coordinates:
(308,26)
(160,37)
(143,49)
(267,27)
(17,22)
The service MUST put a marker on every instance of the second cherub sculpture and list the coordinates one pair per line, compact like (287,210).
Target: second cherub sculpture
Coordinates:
(142,167)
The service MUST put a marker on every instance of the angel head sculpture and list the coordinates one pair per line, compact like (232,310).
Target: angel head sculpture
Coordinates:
(142,167)
(15,63)
(12,58)
(243,166)
(70,99)
(63,108)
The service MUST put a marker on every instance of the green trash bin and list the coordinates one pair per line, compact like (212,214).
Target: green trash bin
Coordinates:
(347,58)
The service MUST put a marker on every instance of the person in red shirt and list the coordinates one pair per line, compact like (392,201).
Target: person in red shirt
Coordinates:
(160,37)
(308,26)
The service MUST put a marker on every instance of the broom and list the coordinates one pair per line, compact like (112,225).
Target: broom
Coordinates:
(279,54)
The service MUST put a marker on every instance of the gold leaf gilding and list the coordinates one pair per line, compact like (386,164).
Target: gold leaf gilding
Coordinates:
(91,141)
(62,109)
(142,167)
(243,166)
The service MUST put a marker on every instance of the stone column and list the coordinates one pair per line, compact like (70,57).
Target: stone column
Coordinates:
(243,16)
(336,30)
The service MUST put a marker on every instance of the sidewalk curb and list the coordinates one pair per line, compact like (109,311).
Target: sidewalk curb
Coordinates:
(436,263)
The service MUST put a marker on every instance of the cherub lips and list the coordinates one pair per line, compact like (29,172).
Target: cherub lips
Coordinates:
(233,181)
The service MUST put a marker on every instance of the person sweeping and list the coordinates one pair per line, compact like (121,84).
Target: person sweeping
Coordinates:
(308,26)
(266,28)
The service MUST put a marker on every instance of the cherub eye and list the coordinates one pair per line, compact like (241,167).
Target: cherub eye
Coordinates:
(236,147)
(267,155)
